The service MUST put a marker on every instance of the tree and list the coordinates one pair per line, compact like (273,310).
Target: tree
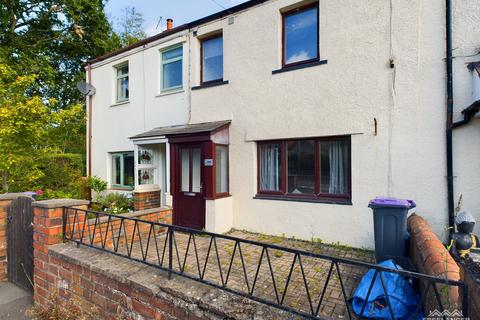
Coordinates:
(131,26)
(23,122)
(53,39)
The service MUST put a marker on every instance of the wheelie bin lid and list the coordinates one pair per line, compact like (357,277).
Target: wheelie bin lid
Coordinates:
(388,202)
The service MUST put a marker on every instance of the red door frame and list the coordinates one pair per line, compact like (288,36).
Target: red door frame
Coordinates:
(194,204)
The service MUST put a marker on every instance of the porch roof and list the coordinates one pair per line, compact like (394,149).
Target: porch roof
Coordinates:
(182,129)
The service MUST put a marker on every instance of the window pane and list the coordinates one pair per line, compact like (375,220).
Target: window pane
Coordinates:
(122,89)
(301,34)
(196,166)
(270,167)
(117,169)
(221,169)
(128,169)
(334,167)
(213,59)
(122,70)
(172,74)
(146,176)
(185,159)
(146,155)
(301,167)
(172,54)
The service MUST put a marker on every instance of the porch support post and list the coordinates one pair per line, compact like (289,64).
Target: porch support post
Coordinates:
(209,171)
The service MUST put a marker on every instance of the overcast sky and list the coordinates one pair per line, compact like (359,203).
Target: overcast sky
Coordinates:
(180,11)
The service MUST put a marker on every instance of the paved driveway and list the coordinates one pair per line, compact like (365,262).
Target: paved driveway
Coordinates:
(14,302)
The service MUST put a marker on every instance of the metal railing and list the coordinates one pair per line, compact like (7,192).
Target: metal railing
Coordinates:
(251,269)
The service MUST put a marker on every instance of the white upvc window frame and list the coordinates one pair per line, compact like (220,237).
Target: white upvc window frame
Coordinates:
(167,61)
(122,185)
(122,98)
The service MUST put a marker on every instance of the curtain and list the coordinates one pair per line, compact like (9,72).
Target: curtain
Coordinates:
(338,168)
(270,167)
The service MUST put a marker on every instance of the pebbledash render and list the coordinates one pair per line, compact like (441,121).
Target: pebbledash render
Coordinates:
(286,117)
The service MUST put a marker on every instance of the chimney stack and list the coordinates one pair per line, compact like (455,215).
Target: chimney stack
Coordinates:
(169,24)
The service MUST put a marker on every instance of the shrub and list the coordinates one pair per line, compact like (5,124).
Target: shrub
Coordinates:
(114,203)
(62,176)
(97,184)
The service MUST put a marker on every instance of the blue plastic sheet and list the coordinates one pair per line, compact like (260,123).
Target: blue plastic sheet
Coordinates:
(403,299)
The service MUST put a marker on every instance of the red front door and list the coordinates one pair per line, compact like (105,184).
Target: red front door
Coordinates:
(188,201)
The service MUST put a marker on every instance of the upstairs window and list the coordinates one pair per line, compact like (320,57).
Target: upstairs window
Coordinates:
(122,90)
(123,164)
(300,35)
(305,169)
(212,59)
(172,69)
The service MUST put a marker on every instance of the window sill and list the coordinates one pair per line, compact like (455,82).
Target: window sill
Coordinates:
(169,92)
(121,189)
(300,66)
(347,202)
(210,84)
(120,103)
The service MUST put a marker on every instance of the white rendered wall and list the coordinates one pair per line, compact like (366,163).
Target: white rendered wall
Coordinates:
(406,158)
(112,124)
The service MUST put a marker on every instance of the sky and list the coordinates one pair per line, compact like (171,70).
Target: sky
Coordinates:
(181,11)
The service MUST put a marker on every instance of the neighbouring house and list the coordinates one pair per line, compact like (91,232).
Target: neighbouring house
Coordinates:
(287,117)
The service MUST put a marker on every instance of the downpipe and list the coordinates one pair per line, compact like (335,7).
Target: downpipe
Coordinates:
(449,68)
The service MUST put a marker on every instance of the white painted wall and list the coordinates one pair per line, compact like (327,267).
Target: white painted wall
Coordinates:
(112,124)
(406,158)
(219,215)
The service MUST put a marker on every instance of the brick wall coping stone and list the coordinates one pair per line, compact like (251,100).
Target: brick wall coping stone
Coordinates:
(12,196)
(59,203)
(184,293)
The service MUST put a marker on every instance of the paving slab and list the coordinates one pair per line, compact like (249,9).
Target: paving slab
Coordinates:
(14,301)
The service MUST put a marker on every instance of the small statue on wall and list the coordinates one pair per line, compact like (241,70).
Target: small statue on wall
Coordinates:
(463,240)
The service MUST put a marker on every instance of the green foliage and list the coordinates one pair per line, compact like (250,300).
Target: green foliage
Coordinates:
(53,39)
(114,203)
(62,175)
(97,184)
(23,122)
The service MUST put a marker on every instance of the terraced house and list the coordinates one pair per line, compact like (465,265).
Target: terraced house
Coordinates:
(287,117)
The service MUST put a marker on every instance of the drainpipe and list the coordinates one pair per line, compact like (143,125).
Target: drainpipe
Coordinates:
(449,65)
(89,136)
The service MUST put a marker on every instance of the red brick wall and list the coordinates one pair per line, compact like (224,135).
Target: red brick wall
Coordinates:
(3,239)
(430,256)
(110,298)
(146,200)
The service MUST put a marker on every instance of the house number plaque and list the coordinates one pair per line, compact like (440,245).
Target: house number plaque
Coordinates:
(208,162)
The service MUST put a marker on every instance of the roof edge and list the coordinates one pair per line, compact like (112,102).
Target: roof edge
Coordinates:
(186,26)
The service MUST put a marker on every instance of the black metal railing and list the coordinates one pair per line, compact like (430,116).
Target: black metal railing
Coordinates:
(308,284)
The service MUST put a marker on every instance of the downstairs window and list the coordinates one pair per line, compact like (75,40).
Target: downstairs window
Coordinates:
(317,169)
(123,164)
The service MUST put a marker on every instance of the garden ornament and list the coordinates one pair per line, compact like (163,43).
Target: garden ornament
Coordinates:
(463,240)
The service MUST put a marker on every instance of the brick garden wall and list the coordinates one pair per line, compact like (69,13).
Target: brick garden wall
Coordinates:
(146,200)
(430,256)
(118,288)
